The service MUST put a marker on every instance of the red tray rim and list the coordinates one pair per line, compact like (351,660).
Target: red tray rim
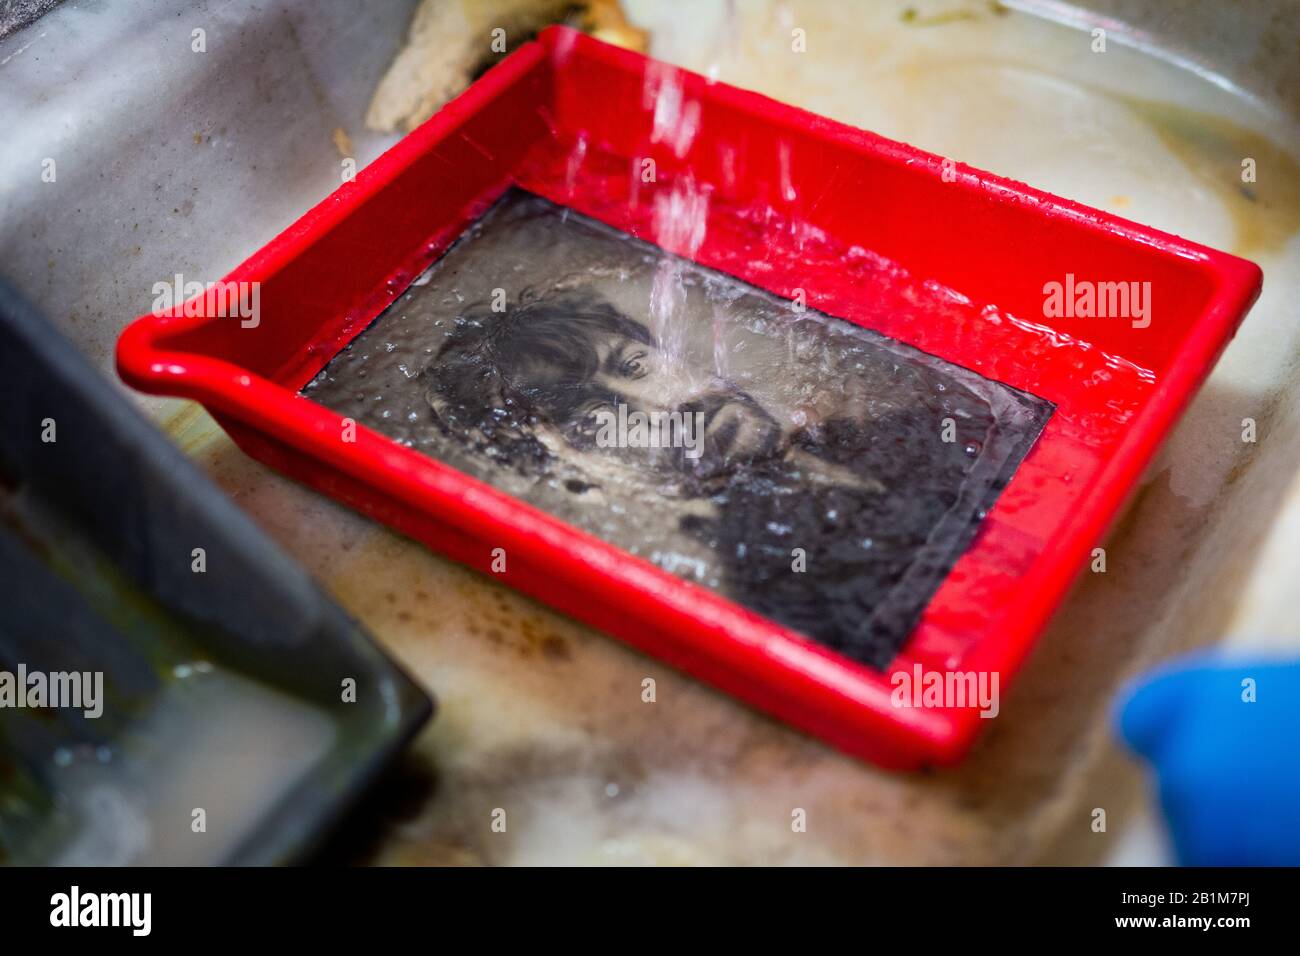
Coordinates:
(837,698)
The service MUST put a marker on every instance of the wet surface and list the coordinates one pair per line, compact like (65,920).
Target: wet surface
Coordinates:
(697,776)
(836,475)
(160,726)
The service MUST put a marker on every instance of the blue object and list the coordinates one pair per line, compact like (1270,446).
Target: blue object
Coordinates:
(1224,741)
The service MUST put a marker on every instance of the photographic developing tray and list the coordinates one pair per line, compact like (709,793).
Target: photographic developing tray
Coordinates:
(1088,332)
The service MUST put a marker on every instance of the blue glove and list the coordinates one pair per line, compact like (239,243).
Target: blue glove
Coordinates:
(1224,741)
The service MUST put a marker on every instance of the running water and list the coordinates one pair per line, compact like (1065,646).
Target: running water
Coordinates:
(817,434)
(804,411)
(680,214)
(680,224)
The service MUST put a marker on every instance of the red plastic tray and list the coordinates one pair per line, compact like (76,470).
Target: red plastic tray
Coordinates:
(568,117)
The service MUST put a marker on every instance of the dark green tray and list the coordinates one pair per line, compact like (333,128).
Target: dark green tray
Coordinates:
(223,689)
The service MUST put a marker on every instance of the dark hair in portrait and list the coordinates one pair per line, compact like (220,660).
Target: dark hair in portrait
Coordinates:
(499,375)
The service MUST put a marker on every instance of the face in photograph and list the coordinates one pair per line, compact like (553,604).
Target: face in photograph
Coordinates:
(814,471)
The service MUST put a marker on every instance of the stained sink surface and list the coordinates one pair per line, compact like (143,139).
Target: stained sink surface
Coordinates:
(547,719)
